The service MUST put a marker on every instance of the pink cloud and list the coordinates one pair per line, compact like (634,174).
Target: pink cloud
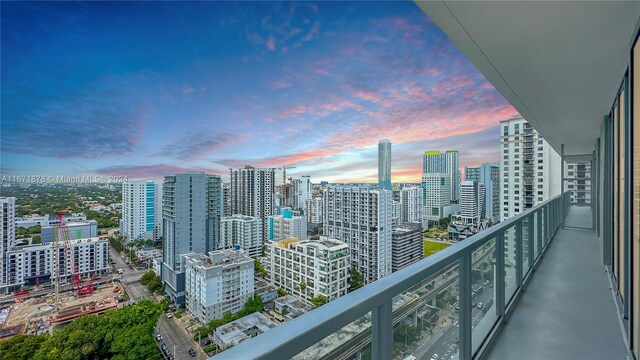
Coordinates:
(280,84)
(271,43)
(152,172)
(187,90)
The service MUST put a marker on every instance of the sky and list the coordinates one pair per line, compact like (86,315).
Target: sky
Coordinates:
(150,89)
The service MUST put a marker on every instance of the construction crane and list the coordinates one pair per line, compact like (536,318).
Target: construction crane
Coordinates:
(62,235)
(284,172)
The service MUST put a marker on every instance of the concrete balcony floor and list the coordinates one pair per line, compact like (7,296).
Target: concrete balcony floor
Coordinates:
(568,310)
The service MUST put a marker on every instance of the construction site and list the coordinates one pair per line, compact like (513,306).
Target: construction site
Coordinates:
(38,315)
(38,312)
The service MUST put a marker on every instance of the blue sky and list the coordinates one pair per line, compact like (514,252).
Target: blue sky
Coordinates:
(153,88)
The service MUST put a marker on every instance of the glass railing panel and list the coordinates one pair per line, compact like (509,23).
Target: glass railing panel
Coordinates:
(484,313)
(425,318)
(350,342)
(536,235)
(510,283)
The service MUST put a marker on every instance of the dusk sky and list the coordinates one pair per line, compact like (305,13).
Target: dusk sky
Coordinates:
(153,88)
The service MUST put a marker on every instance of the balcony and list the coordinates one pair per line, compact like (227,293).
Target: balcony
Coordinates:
(460,307)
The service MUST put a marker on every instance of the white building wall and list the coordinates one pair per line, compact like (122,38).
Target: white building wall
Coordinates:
(245,231)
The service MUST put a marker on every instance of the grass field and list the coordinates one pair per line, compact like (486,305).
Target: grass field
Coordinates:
(432,247)
(436,233)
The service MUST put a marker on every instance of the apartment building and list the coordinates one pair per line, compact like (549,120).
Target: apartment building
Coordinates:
(472,198)
(217,283)
(287,226)
(7,234)
(244,231)
(528,169)
(361,217)
(300,192)
(488,174)
(435,161)
(141,210)
(75,230)
(411,205)
(407,245)
(578,182)
(191,223)
(253,193)
(436,193)
(309,268)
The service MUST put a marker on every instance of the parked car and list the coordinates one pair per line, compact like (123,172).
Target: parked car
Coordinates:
(21,292)
(192,353)
(169,315)
(158,337)
(206,342)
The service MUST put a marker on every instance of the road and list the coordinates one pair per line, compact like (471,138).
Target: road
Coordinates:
(129,278)
(177,340)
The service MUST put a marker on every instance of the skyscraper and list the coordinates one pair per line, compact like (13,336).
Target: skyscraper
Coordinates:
(487,174)
(411,204)
(472,197)
(242,230)
(529,171)
(384,165)
(141,210)
(361,217)
(252,193)
(436,191)
(7,234)
(435,161)
(301,192)
(191,223)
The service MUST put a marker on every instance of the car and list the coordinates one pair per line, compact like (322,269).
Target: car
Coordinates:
(169,315)
(21,292)
(120,271)
(206,342)
(434,357)
(158,337)
(480,305)
(192,352)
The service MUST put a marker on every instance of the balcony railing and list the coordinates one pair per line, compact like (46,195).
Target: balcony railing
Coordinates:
(346,326)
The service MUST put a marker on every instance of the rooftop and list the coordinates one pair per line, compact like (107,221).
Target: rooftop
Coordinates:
(238,331)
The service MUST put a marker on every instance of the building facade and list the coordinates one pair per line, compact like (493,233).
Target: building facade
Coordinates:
(309,268)
(253,193)
(300,192)
(287,226)
(411,205)
(244,231)
(434,161)
(217,283)
(141,210)
(407,245)
(472,197)
(436,192)
(487,174)
(361,217)
(530,168)
(191,223)
(7,234)
(384,165)
(76,230)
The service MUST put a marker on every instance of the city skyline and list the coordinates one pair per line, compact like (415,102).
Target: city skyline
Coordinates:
(266,84)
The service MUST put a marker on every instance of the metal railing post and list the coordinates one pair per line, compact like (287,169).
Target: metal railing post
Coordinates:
(519,249)
(464,289)
(531,251)
(382,331)
(562,169)
(539,233)
(499,278)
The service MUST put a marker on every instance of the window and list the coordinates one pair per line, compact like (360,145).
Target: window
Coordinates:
(506,130)
(517,161)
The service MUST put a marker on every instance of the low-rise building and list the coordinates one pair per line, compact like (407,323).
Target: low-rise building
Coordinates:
(291,307)
(218,283)
(309,268)
(406,245)
(245,328)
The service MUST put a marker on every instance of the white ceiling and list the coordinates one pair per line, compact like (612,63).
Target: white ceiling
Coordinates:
(558,63)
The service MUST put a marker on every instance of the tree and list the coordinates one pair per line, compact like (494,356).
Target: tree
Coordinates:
(259,268)
(355,279)
(36,239)
(303,285)
(282,292)
(151,281)
(319,300)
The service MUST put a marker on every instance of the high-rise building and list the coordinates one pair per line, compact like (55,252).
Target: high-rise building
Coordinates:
(314,214)
(300,192)
(436,192)
(361,217)
(435,161)
(252,193)
(217,283)
(411,206)
(530,168)
(407,245)
(487,174)
(242,230)
(191,223)
(287,226)
(141,210)
(384,165)
(578,181)
(309,268)
(7,234)
(472,197)
(226,199)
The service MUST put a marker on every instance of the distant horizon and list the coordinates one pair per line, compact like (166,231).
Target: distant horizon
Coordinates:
(150,89)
